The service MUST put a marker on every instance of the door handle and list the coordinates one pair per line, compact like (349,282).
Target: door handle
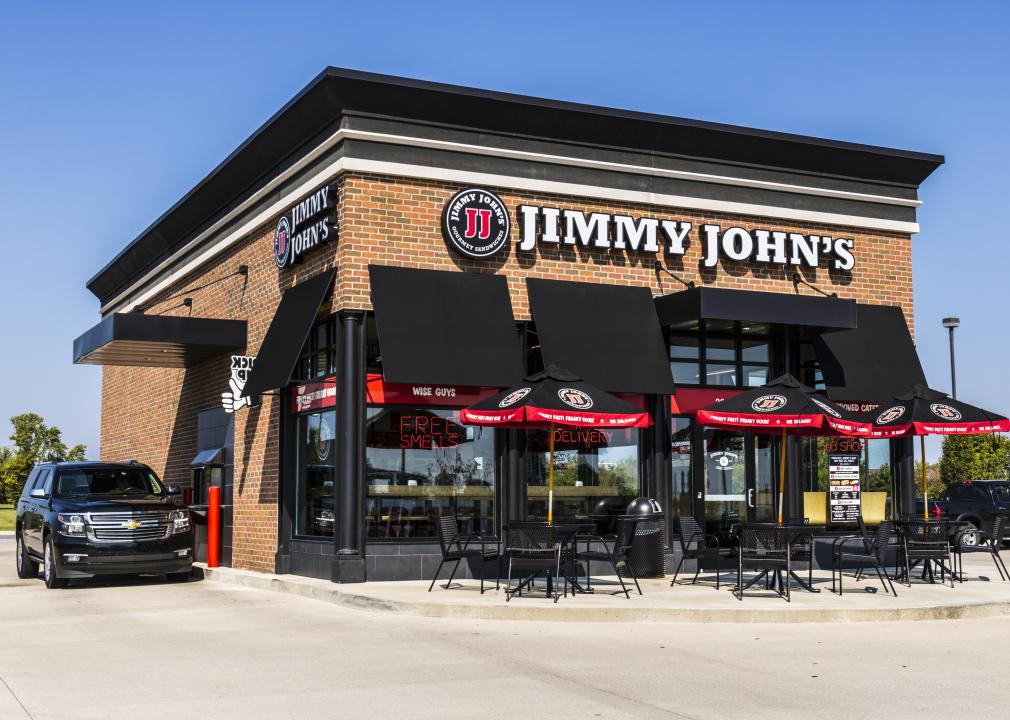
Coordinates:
(750,498)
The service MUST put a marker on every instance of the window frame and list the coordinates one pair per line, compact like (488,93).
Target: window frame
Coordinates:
(737,337)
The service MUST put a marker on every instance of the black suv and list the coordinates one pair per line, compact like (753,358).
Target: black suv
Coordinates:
(977,502)
(93,518)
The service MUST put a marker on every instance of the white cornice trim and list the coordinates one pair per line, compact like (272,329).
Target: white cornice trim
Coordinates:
(141,291)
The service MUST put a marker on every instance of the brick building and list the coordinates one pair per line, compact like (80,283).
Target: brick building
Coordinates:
(241,346)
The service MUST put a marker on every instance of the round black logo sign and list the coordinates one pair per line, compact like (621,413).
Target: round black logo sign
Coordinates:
(890,415)
(575,398)
(282,242)
(945,412)
(476,223)
(769,403)
(513,397)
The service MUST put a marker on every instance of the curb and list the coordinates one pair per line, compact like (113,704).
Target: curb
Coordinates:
(339,595)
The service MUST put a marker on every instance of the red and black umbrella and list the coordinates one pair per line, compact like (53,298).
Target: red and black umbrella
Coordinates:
(783,406)
(923,411)
(550,398)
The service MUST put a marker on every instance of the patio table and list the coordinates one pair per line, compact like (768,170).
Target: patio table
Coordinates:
(566,535)
(953,527)
(795,532)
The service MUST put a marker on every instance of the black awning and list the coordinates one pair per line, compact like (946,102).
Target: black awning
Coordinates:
(211,457)
(875,361)
(608,335)
(448,328)
(141,340)
(286,335)
(706,303)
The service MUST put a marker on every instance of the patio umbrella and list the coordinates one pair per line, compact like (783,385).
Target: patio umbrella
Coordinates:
(783,406)
(923,411)
(550,398)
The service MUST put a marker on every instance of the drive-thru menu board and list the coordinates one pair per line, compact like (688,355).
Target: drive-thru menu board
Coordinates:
(843,488)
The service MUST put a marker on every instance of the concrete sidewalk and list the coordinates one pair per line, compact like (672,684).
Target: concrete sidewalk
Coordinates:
(981,595)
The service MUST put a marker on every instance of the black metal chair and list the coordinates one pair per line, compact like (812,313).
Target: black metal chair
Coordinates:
(994,533)
(457,547)
(867,550)
(696,544)
(614,549)
(535,548)
(928,542)
(764,548)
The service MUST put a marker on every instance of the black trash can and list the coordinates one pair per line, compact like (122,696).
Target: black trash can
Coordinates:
(648,549)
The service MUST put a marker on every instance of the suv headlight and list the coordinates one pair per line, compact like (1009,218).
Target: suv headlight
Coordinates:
(180,521)
(71,525)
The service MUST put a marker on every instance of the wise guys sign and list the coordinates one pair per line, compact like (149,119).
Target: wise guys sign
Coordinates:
(476,224)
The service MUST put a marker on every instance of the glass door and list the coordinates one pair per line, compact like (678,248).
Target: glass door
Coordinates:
(738,480)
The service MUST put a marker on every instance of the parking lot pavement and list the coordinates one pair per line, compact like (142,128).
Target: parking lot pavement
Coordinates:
(150,649)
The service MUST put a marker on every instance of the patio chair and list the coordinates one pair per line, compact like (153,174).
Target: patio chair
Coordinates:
(801,546)
(764,548)
(994,540)
(928,542)
(457,547)
(535,548)
(696,544)
(614,549)
(865,549)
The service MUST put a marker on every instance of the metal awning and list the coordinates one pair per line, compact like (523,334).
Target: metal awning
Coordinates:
(874,361)
(707,303)
(135,339)
(281,346)
(443,327)
(211,457)
(608,335)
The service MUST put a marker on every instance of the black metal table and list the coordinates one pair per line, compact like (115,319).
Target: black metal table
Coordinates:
(566,535)
(794,533)
(953,527)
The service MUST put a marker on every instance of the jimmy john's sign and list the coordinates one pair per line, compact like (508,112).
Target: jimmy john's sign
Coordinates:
(479,228)
(311,222)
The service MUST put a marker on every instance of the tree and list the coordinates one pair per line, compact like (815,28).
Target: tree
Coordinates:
(33,442)
(974,457)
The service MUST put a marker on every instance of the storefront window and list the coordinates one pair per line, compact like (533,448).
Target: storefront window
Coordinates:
(595,474)
(874,466)
(725,479)
(423,463)
(319,355)
(721,354)
(316,440)
(681,450)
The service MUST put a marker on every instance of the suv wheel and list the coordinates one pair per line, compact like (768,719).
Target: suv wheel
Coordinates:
(49,567)
(27,568)
(970,537)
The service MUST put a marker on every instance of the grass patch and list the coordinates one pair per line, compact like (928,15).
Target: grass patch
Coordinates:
(7,514)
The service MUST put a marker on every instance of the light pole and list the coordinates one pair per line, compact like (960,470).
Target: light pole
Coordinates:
(950,323)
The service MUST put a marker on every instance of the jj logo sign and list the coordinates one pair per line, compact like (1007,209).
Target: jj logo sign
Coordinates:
(307,225)
(476,223)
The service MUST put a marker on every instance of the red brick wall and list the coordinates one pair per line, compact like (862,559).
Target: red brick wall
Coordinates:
(150,413)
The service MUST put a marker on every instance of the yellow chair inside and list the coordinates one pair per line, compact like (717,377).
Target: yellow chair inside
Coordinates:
(874,507)
(815,507)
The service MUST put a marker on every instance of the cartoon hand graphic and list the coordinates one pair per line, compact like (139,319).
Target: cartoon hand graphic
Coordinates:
(233,400)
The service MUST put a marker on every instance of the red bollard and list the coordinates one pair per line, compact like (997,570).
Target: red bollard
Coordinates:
(213,525)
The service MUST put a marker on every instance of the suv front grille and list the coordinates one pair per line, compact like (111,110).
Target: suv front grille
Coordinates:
(119,526)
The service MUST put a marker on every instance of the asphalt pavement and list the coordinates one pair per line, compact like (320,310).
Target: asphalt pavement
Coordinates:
(151,649)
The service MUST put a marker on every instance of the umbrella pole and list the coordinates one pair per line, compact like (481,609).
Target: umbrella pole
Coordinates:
(782,474)
(550,478)
(925,501)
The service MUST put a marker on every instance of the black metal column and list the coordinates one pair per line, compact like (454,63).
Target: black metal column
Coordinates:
(793,505)
(902,477)
(657,472)
(349,560)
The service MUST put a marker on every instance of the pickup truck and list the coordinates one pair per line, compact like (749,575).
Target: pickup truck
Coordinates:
(977,501)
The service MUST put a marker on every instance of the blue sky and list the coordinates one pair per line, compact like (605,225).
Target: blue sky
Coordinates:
(109,112)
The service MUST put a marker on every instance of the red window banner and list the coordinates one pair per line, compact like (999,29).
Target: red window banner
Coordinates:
(314,396)
(380,392)
(688,401)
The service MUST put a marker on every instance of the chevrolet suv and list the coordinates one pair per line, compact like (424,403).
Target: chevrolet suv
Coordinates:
(85,519)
